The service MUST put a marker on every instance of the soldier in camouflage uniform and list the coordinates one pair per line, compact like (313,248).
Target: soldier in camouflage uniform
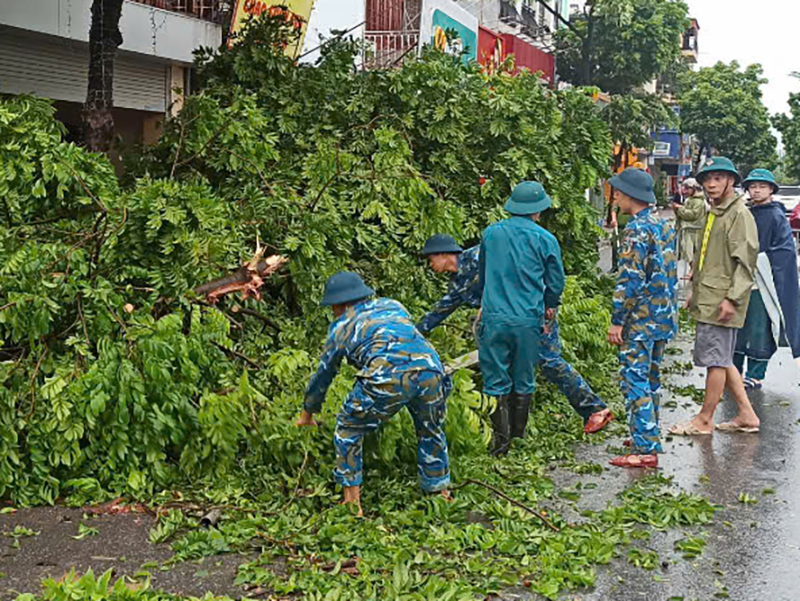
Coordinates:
(446,255)
(398,368)
(644,316)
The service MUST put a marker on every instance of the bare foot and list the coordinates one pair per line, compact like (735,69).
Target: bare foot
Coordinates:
(352,494)
(445,494)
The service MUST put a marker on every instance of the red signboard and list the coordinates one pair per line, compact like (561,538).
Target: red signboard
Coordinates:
(529,57)
(493,48)
(490,48)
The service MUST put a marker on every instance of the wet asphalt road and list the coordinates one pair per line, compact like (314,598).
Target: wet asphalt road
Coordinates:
(753,549)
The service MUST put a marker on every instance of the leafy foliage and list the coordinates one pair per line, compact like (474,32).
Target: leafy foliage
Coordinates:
(789,127)
(87,587)
(115,378)
(632,117)
(621,45)
(722,106)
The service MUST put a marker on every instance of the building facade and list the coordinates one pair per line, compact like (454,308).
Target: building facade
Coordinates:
(44,51)
(489,30)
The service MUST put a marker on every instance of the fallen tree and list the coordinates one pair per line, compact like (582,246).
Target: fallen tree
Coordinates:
(116,378)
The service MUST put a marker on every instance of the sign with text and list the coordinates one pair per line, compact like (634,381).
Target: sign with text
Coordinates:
(296,12)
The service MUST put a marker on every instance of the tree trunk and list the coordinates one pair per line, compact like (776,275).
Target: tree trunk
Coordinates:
(587,46)
(104,39)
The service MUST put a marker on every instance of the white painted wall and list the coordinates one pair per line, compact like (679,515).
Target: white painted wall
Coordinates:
(145,30)
(328,15)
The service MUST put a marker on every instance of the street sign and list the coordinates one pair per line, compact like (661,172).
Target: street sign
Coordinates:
(662,149)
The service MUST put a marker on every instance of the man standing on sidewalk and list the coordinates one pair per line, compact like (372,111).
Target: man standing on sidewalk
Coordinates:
(773,317)
(691,216)
(522,279)
(446,256)
(644,316)
(722,281)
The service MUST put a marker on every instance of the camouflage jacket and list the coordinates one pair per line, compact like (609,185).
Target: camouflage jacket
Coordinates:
(377,337)
(645,297)
(464,289)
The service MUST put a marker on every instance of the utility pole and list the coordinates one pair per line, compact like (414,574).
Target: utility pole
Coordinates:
(555,54)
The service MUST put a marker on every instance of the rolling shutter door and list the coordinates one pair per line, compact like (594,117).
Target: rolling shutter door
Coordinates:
(58,68)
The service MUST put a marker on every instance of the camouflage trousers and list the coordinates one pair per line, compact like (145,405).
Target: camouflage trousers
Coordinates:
(368,406)
(569,382)
(640,363)
(557,371)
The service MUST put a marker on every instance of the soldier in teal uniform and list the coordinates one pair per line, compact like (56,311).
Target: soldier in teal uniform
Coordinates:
(446,255)
(644,315)
(522,279)
(397,368)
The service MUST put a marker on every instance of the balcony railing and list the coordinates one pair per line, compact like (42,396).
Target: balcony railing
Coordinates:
(388,48)
(207,10)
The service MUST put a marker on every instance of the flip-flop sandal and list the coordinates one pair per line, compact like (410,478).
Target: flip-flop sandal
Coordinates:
(635,461)
(597,421)
(751,384)
(731,427)
(688,429)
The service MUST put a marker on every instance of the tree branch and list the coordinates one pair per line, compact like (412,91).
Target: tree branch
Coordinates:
(502,495)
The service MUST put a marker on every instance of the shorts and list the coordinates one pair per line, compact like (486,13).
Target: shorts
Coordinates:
(714,345)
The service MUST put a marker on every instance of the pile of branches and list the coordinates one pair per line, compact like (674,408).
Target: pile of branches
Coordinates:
(121,370)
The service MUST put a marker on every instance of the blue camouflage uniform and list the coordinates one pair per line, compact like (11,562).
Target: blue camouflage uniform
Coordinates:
(397,368)
(645,304)
(465,289)
(521,274)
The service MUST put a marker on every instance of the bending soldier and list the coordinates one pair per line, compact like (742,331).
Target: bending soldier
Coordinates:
(397,368)
(446,256)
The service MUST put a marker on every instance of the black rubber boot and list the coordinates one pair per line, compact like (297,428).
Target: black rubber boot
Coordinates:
(501,426)
(519,416)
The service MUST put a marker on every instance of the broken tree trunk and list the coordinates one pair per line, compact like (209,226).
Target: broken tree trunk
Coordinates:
(248,279)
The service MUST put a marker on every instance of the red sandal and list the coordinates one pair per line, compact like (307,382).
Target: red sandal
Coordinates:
(597,421)
(635,461)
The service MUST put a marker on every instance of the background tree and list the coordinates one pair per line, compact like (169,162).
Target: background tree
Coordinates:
(722,107)
(632,117)
(104,39)
(789,126)
(619,45)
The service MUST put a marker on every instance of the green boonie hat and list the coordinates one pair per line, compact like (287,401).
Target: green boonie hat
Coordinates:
(718,164)
(441,244)
(636,183)
(761,175)
(345,287)
(528,198)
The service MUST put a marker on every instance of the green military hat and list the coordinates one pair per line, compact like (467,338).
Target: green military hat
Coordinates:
(636,183)
(528,198)
(345,287)
(441,244)
(723,164)
(762,175)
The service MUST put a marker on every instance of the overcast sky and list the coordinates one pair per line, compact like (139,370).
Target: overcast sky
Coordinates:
(765,31)
(750,31)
